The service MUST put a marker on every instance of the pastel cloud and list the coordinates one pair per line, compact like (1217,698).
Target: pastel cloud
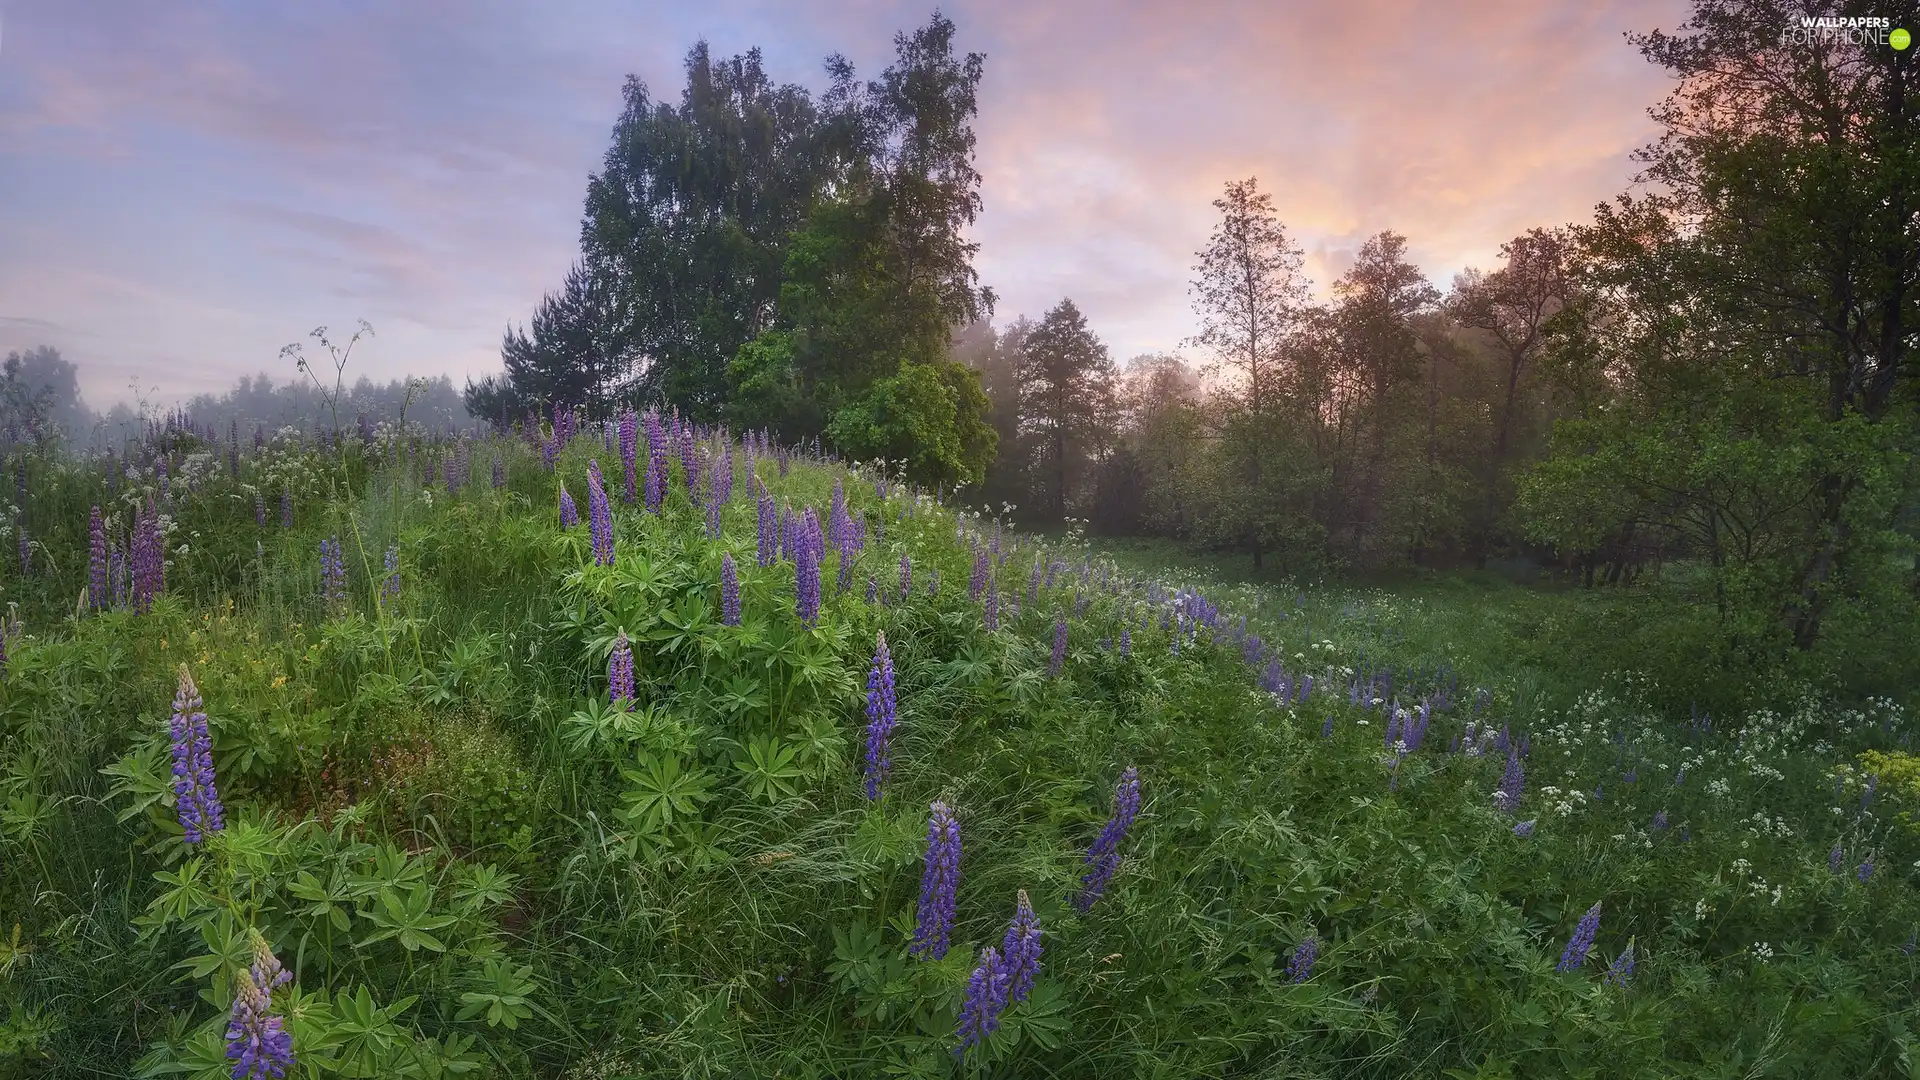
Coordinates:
(192,186)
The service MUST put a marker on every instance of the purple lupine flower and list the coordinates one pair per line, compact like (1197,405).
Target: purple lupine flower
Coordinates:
(873,589)
(1659,821)
(1865,871)
(1059,648)
(729,591)
(499,473)
(286,508)
(789,530)
(1512,784)
(689,461)
(257,1041)
(1126,641)
(990,612)
(767,538)
(713,517)
(333,572)
(149,560)
(620,673)
(1104,855)
(96,560)
(806,570)
(906,576)
(986,997)
(979,581)
(599,516)
(569,513)
(1524,830)
(1582,940)
(259,508)
(1020,949)
(656,461)
(1300,967)
(392,586)
(1835,858)
(629,452)
(882,714)
(938,883)
(1622,967)
(1326,729)
(196,798)
(1680,777)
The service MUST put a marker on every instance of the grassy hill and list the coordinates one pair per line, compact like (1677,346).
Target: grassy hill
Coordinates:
(1369,839)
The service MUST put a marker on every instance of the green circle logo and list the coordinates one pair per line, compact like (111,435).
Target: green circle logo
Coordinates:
(1899,39)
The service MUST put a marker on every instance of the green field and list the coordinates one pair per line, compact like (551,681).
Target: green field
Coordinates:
(472,863)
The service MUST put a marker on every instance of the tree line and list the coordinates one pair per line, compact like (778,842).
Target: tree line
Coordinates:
(1712,379)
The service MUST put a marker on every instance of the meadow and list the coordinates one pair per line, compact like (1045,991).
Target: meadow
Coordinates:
(638,750)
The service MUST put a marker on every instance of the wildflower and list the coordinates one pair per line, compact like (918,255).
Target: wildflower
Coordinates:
(656,461)
(806,570)
(257,1040)
(882,713)
(196,799)
(1622,967)
(1835,858)
(1524,830)
(1865,871)
(768,538)
(990,614)
(620,673)
(986,997)
(938,883)
(979,580)
(259,509)
(1059,648)
(1582,940)
(629,442)
(600,516)
(1512,783)
(392,586)
(96,560)
(569,513)
(1104,856)
(729,591)
(1126,641)
(1020,949)
(1659,821)
(286,508)
(1300,968)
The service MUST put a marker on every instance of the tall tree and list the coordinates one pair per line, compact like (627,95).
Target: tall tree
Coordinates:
(1066,404)
(1511,306)
(1250,295)
(575,354)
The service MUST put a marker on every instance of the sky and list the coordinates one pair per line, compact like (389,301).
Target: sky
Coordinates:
(186,187)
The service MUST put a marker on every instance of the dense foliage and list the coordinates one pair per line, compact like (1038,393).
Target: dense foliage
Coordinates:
(768,766)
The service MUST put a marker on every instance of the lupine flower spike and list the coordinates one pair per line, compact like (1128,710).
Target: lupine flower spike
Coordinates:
(1103,858)
(1020,950)
(938,883)
(986,997)
(1300,967)
(196,798)
(729,591)
(1582,940)
(882,713)
(620,673)
(257,1041)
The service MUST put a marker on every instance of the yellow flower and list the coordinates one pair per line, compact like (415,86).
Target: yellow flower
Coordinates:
(279,681)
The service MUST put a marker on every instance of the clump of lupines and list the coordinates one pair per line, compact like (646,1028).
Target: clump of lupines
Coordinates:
(656,461)
(1865,871)
(620,673)
(1059,648)
(806,569)
(599,515)
(569,513)
(1020,950)
(333,572)
(96,561)
(1103,858)
(729,591)
(1525,828)
(196,798)
(882,714)
(979,580)
(939,882)
(1582,940)
(1300,967)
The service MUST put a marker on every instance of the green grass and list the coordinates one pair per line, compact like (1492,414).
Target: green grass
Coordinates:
(474,866)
